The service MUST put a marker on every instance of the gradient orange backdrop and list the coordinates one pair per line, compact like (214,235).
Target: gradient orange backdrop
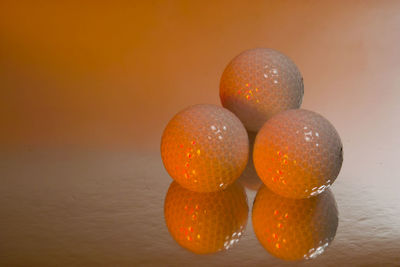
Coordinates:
(112,73)
(78,77)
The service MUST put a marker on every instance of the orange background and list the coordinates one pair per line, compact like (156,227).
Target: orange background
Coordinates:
(111,74)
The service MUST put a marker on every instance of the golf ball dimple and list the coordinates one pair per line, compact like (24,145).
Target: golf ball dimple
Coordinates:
(294,229)
(205,148)
(206,222)
(259,83)
(298,153)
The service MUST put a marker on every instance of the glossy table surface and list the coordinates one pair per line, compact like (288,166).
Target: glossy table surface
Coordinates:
(92,208)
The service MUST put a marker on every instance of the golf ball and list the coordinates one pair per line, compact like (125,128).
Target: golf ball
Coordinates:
(259,83)
(298,153)
(206,222)
(294,229)
(205,148)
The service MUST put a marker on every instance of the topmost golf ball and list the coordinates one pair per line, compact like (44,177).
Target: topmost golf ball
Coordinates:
(205,148)
(259,83)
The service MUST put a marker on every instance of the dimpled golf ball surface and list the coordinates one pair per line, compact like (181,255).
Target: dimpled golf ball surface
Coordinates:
(294,229)
(259,83)
(205,148)
(206,222)
(298,153)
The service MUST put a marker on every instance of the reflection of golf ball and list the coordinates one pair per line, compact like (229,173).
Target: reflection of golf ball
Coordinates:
(294,229)
(259,83)
(206,222)
(205,148)
(298,153)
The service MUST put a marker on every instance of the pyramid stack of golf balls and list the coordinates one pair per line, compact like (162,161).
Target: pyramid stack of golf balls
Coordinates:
(297,153)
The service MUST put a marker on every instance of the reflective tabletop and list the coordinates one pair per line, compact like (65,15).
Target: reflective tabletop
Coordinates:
(92,208)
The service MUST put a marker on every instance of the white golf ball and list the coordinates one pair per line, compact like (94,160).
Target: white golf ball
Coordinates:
(205,148)
(298,153)
(260,83)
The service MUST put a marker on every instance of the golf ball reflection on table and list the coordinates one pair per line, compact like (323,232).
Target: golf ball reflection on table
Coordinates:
(205,148)
(260,83)
(298,153)
(294,229)
(206,222)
